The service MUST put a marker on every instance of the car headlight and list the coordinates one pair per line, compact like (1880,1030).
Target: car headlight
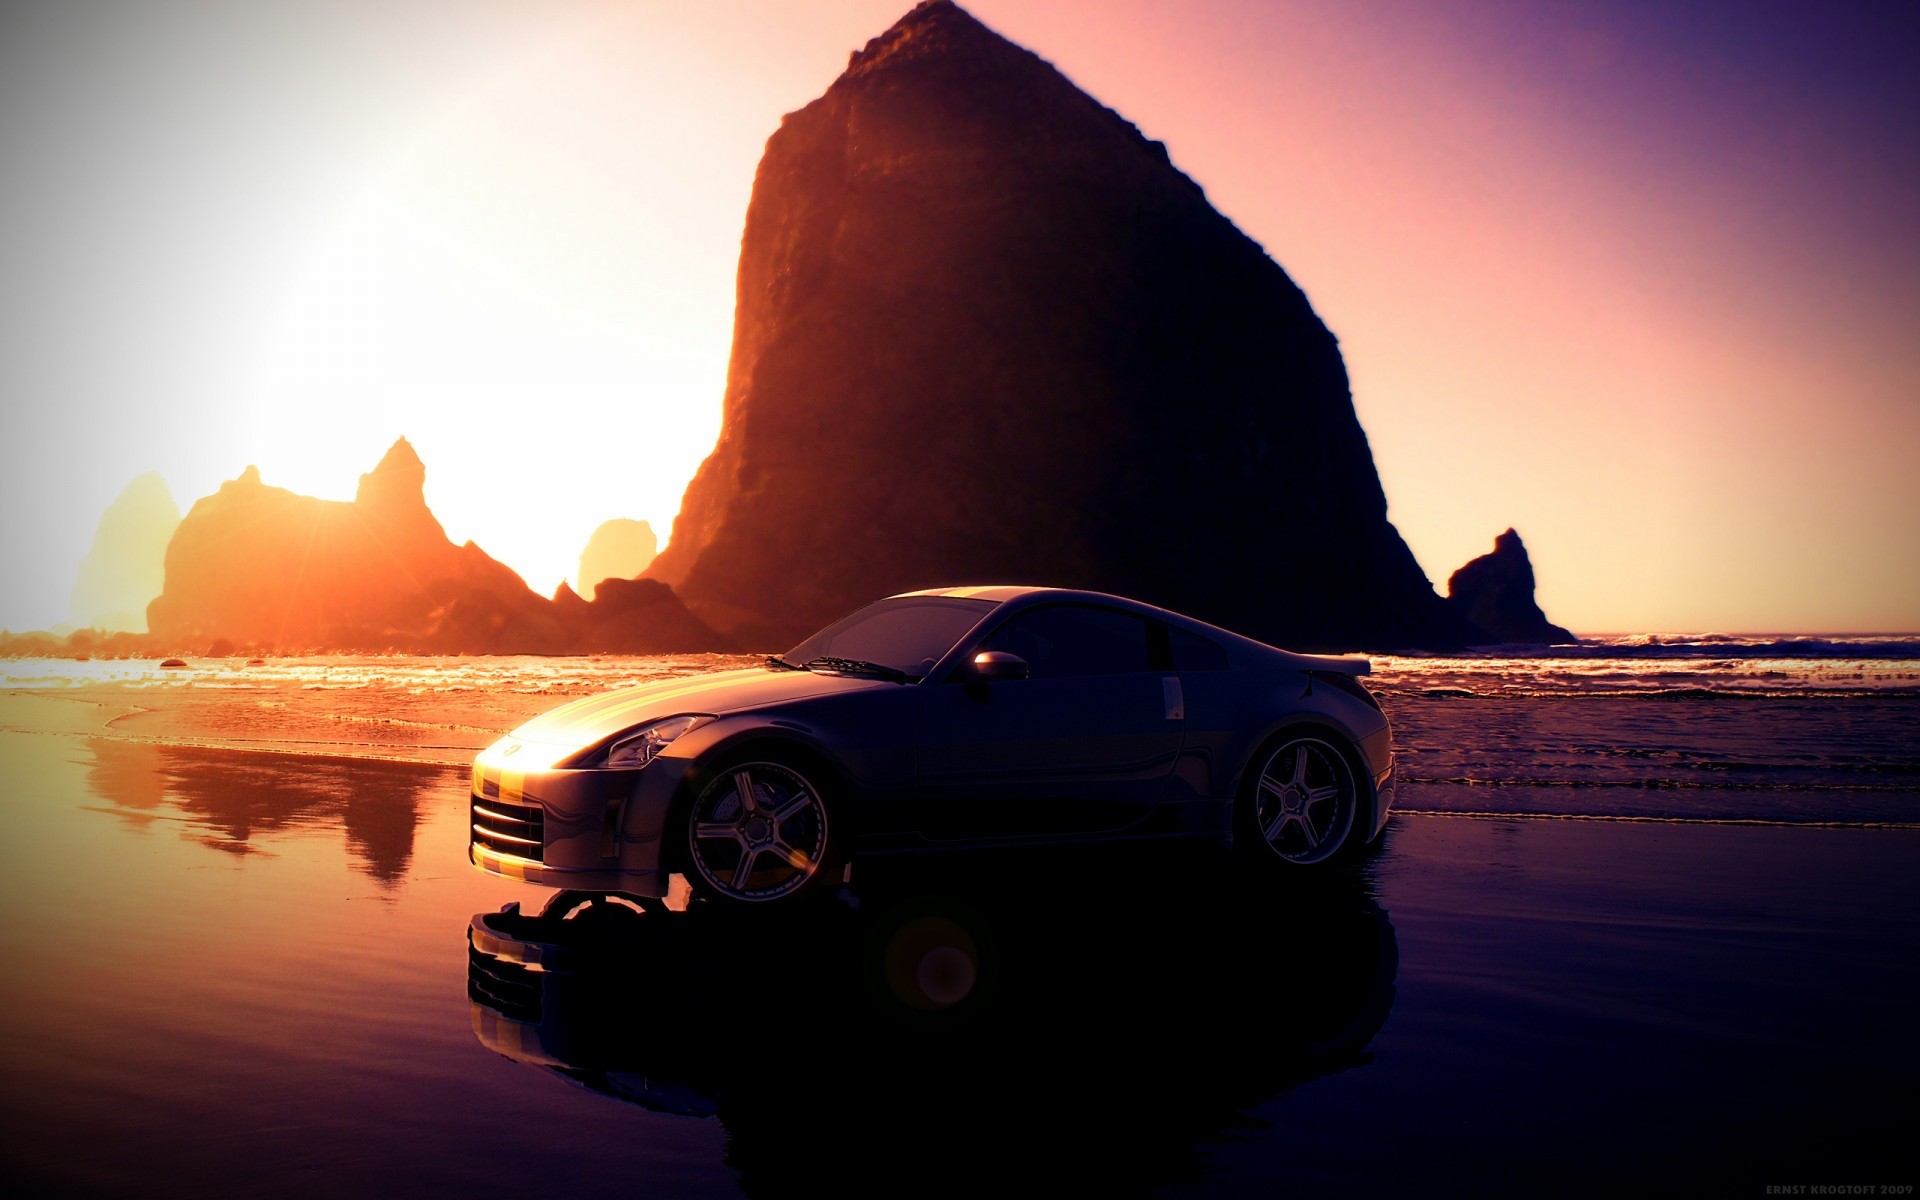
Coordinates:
(638,747)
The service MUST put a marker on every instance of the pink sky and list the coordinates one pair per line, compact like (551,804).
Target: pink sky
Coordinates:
(1637,279)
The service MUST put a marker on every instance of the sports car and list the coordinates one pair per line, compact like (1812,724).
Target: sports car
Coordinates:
(941,720)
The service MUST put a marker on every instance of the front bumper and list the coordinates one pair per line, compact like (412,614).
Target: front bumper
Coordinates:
(583,830)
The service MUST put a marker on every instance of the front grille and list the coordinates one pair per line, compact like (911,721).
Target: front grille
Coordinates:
(509,989)
(516,829)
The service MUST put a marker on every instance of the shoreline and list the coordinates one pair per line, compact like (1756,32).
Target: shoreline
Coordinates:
(1539,758)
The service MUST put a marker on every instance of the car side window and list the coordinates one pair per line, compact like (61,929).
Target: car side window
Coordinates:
(1065,641)
(1191,652)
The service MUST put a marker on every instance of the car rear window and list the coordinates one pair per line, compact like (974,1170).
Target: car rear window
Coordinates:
(1191,652)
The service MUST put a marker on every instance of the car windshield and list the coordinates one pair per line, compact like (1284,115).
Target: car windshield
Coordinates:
(907,634)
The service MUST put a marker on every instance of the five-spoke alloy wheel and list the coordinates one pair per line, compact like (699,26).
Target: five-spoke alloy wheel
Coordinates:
(757,832)
(1304,800)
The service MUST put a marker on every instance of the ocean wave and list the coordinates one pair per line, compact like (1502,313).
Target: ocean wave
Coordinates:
(1657,819)
(1718,645)
(1725,689)
(1665,783)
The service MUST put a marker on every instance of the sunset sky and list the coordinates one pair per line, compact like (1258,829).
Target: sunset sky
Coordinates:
(1639,279)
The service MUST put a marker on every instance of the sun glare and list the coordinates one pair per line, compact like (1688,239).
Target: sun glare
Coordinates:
(469,297)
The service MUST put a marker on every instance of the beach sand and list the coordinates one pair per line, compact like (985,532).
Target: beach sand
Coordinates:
(237,969)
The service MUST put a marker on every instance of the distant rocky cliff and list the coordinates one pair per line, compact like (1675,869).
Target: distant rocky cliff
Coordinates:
(261,566)
(986,332)
(123,570)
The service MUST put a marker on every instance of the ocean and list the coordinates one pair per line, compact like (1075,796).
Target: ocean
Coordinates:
(1797,729)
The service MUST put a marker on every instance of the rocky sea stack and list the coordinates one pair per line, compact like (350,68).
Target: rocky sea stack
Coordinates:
(987,332)
(1494,593)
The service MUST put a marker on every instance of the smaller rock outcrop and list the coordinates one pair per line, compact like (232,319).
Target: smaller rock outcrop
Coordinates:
(126,566)
(1495,593)
(632,616)
(618,549)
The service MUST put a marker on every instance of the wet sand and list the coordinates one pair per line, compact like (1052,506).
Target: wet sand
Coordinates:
(232,969)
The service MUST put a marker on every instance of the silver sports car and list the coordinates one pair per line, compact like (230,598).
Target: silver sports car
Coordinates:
(959,717)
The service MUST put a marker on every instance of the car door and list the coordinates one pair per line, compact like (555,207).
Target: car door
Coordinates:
(1084,744)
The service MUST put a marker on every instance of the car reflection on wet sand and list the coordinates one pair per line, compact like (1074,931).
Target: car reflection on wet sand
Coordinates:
(946,1036)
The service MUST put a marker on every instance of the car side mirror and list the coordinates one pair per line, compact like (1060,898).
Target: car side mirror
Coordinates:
(998,664)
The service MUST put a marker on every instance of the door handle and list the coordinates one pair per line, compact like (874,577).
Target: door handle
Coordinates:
(1175,698)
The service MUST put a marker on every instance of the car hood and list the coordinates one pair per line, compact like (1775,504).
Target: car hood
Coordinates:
(585,721)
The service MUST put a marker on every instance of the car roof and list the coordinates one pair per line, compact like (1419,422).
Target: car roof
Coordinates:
(1244,651)
(983,591)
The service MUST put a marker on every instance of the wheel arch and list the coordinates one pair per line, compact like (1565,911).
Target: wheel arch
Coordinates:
(779,744)
(1334,733)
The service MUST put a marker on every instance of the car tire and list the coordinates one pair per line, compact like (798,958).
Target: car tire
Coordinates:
(761,831)
(1300,802)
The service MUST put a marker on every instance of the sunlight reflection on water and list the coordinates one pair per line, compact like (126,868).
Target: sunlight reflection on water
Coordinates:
(248,969)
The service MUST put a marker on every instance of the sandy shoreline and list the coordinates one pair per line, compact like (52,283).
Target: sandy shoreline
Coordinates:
(388,724)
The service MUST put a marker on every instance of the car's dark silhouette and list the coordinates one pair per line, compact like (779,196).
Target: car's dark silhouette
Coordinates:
(941,719)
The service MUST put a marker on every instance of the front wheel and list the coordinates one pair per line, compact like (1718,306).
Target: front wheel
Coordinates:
(1301,804)
(759,832)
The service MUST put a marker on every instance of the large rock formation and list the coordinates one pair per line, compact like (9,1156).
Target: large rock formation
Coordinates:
(619,549)
(263,567)
(986,332)
(126,565)
(1495,594)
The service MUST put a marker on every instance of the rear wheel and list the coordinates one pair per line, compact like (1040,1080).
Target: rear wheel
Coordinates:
(759,832)
(1301,802)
